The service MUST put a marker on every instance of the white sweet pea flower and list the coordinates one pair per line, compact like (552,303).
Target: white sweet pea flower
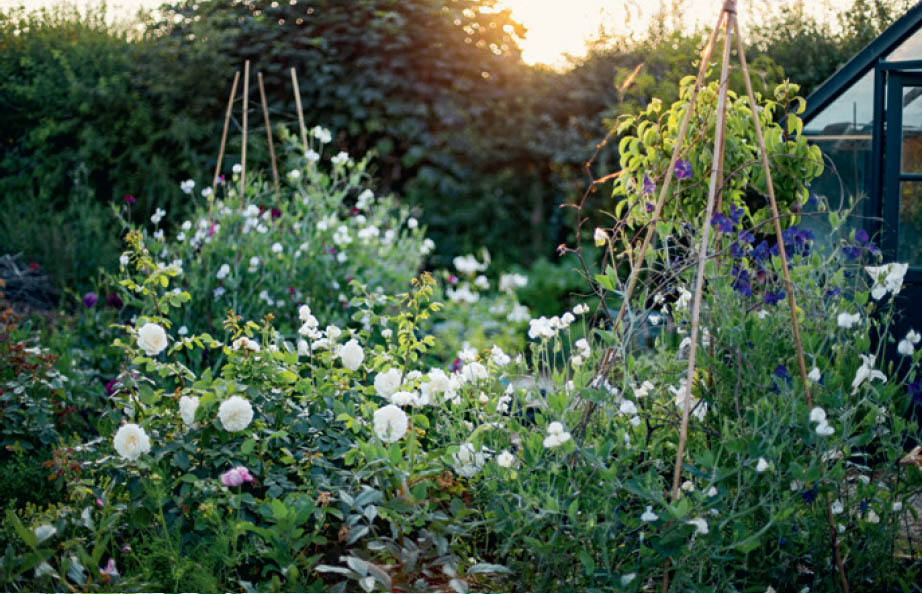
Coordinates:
(683,300)
(762,465)
(824,429)
(905,348)
(837,507)
(887,279)
(499,358)
(648,515)
(700,524)
(643,389)
(187,186)
(817,415)
(322,134)
(815,375)
(505,459)
(599,237)
(627,408)
(847,320)
(867,372)
(556,436)
(913,337)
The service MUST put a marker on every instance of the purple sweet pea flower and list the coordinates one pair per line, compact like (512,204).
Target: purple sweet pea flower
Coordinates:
(741,281)
(130,199)
(722,223)
(746,236)
(90,299)
(736,213)
(737,251)
(683,169)
(648,186)
(772,298)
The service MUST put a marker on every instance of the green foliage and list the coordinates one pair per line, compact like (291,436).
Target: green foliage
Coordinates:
(90,114)
(648,140)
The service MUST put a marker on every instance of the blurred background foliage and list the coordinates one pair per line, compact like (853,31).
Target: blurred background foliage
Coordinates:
(486,147)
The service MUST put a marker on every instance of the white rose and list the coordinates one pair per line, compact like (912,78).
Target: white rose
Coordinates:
(235,413)
(390,423)
(386,383)
(152,338)
(131,441)
(187,407)
(352,355)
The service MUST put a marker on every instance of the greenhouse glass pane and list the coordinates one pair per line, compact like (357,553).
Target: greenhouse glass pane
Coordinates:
(912,130)
(911,49)
(909,248)
(851,113)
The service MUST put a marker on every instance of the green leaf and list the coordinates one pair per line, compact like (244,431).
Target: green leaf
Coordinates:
(248,446)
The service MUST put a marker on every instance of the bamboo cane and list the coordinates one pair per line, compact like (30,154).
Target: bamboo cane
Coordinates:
(676,151)
(217,169)
(275,171)
(775,217)
(243,148)
(719,136)
(297,89)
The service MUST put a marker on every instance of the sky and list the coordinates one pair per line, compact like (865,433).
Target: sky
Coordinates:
(556,27)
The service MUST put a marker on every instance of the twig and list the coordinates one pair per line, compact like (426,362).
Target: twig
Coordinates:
(275,171)
(217,169)
(297,89)
(243,148)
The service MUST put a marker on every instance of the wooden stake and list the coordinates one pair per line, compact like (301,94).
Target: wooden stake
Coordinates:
(275,171)
(217,169)
(719,134)
(670,171)
(792,303)
(243,148)
(294,83)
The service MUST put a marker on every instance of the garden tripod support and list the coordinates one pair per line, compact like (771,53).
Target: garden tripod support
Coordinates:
(728,18)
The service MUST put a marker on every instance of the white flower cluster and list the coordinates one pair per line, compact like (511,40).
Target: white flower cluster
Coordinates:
(468,461)
(682,393)
(823,428)
(906,347)
(556,436)
(469,265)
(512,281)
(847,320)
(545,327)
(582,352)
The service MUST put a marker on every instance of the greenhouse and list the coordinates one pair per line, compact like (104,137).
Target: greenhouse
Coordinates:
(849,116)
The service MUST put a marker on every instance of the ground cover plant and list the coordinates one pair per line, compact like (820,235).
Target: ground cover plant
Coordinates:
(292,402)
